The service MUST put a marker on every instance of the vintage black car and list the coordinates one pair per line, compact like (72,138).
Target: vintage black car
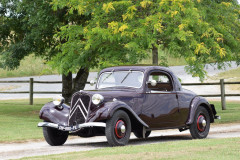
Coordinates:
(128,99)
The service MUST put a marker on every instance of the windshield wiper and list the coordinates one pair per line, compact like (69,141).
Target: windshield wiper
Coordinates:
(108,75)
(126,75)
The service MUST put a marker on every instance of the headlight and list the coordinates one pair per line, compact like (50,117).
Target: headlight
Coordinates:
(97,99)
(58,100)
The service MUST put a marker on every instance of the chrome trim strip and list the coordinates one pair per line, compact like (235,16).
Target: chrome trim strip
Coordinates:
(83,105)
(73,109)
(47,124)
(71,128)
(78,106)
(217,117)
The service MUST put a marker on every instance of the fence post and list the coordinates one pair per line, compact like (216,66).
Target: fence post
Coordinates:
(31,91)
(223,98)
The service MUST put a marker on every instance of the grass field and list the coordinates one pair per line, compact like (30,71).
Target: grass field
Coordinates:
(30,66)
(231,115)
(227,149)
(232,75)
(19,120)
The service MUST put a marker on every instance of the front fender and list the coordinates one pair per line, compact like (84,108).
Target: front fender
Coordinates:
(107,110)
(196,102)
(51,113)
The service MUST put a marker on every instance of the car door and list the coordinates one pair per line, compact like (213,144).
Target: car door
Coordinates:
(160,105)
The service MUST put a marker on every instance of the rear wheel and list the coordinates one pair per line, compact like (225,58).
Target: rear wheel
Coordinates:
(118,129)
(201,124)
(54,137)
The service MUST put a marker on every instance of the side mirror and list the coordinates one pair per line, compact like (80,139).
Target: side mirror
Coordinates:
(92,83)
(153,83)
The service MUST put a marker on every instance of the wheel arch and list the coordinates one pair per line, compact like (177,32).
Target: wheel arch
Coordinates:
(136,122)
(197,102)
(109,108)
(51,113)
(209,111)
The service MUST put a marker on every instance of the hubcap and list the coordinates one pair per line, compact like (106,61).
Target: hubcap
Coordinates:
(120,129)
(201,123)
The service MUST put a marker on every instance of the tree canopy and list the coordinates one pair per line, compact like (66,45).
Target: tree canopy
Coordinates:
(28,27)
(76,35)
(126,31)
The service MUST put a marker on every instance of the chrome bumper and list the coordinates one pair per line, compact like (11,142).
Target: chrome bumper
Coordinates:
(71,128)
(217,117)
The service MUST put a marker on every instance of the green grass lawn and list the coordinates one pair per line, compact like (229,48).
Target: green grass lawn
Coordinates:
(28,67)
(232,75)
(19,120)
(231,115)
(183,149)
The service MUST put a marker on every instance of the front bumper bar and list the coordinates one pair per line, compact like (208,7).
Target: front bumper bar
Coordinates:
(71,128)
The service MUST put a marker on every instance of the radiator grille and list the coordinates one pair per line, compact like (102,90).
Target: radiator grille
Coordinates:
(79,109)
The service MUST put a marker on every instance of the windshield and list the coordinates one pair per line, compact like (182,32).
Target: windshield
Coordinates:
(120,79)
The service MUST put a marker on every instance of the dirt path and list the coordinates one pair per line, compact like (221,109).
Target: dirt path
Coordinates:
(19,150)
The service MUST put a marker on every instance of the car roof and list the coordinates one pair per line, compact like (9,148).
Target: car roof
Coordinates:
(146,70)
(135,68)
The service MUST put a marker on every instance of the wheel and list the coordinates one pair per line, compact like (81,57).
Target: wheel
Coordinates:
(118,129)
(139,133)
(201,124)
(54,137)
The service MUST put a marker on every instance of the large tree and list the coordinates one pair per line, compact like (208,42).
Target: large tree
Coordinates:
(91,33)
(200,31)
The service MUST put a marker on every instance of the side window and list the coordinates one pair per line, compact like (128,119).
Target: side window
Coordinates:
(164,82)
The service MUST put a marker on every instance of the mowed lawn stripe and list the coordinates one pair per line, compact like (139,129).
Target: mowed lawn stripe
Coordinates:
(227,148)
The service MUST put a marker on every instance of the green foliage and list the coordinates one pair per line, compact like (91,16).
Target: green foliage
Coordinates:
(125,31)
(95,33)
(26,27)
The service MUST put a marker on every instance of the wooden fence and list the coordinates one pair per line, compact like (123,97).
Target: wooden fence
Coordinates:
(31,91)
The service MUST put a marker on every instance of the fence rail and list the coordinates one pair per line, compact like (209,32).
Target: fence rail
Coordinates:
(31,91)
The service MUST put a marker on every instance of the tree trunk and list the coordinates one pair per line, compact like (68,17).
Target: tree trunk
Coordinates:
(80,79)
(155,55)
(67,86)
(70,86)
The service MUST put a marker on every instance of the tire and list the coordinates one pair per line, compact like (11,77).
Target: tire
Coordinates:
(139,133)
(118,129)
(198,128)
(54,137)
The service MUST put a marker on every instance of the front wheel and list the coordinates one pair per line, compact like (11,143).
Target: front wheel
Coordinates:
(200,127)
(118,129)
(54,137)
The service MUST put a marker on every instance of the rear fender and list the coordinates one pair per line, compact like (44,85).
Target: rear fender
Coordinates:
(196,102)
(51,113)
(108,109)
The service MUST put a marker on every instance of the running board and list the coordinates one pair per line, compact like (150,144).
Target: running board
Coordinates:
(71,128)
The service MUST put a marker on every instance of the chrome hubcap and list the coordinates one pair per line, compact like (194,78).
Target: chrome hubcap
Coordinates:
(120,129)
(123,129)
(201,123)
